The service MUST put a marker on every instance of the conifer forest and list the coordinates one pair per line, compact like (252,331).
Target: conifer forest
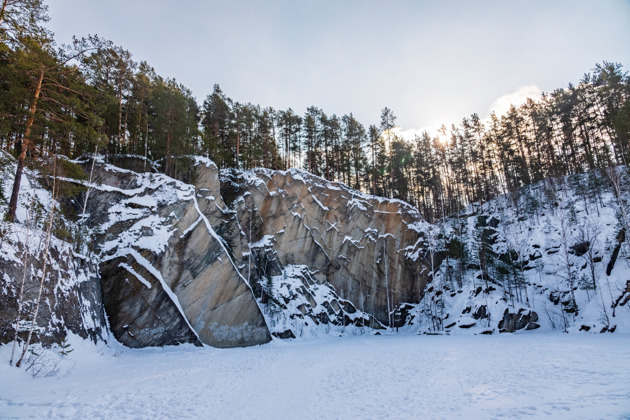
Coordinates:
(92,96)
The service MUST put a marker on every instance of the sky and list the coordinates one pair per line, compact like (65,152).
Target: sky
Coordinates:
(431,62)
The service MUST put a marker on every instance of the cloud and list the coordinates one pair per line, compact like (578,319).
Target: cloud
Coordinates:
(410,134)
(502,104)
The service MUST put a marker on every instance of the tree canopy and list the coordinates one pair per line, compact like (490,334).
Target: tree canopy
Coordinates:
(91,95)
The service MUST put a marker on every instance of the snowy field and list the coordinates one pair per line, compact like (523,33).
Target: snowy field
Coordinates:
(364,377)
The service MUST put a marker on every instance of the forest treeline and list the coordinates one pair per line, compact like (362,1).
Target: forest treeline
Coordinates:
(92,96)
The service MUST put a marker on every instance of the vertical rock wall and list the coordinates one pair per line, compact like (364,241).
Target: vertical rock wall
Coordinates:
(168,275)
(177,258)
(359,244)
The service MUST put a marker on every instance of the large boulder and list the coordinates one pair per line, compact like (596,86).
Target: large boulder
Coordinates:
(168,275)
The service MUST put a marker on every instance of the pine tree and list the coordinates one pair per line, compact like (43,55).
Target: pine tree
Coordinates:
(139,109)
(311,135)
(388,122)
(21,19)
(354,138)
(57,95)
(174,122)
(216,121)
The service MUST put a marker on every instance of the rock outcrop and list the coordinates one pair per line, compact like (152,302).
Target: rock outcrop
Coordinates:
(168,275)
(231,258)
(184,262)
(524,318)
(70,300)
(367,248)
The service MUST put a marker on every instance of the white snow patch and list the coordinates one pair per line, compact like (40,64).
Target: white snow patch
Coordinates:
(136,274)
(319,203)
(265,242)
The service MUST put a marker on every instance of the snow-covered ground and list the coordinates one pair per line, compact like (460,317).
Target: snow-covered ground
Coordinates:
(368,377)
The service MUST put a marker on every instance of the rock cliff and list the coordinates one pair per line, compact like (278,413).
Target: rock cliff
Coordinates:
(168,274)
(185,262)
(231,258)
(71,298)
(362,246)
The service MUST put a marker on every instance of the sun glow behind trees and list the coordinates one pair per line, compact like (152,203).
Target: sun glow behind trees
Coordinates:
(502,104)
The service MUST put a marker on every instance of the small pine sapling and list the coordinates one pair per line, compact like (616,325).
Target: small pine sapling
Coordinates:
(64,347)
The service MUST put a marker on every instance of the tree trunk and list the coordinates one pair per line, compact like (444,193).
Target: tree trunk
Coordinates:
(120,132)
(55,188)
(373,170)
(311,154)
(2,12)
(146,139)
(286,151)
(25,145)
(238,144)
(124,130)
(327,165)
(167,166)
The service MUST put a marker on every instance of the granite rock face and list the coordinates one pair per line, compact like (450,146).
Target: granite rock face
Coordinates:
(180,261)
(368,248)
(70,300)
(168,276)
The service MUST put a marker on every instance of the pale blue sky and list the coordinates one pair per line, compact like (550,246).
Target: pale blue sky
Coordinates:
(431,62)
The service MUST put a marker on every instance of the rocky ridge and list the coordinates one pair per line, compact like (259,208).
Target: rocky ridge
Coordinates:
(233,258)
(191,262)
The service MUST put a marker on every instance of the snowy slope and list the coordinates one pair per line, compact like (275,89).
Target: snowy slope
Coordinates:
(70,287)
(551,242)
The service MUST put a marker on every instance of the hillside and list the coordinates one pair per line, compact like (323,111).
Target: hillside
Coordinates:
(234,258)
(552,256)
